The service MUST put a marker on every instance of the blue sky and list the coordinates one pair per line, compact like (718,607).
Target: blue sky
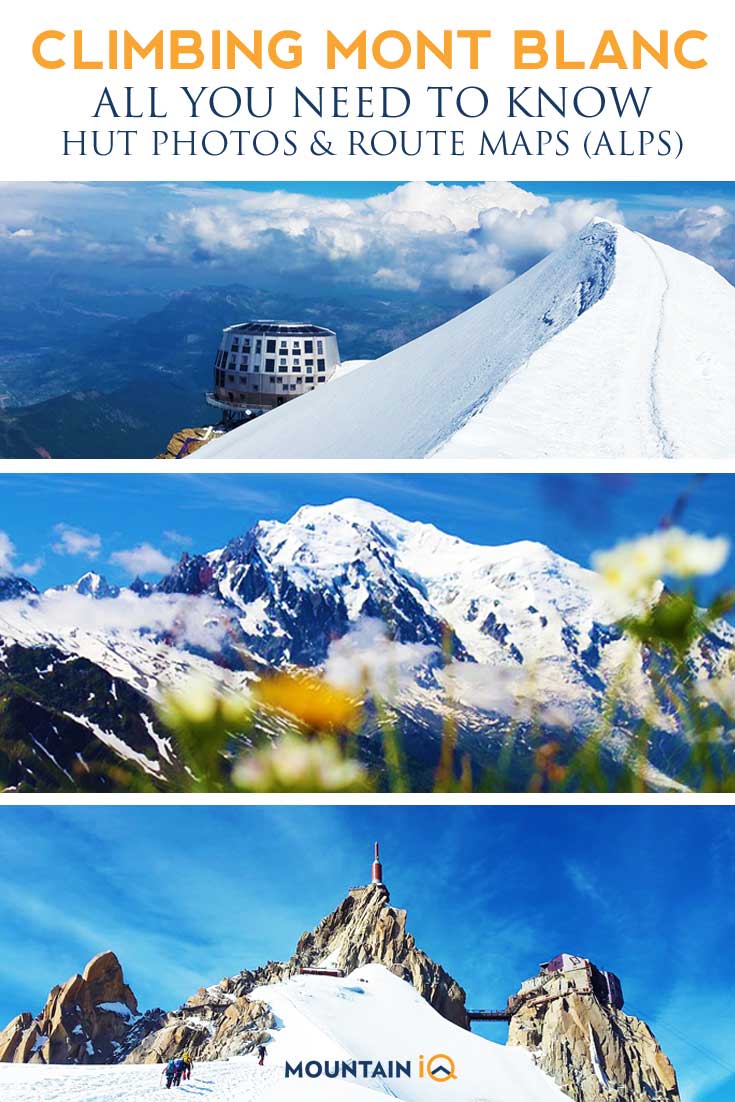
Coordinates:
(432,239)
(62,525)
(187,895)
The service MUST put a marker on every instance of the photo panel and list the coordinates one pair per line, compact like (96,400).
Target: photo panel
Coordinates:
(456,324)
(475,951)
(366,634)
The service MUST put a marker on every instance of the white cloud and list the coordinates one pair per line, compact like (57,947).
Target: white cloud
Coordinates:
(491,688)
(479,236)
(185,621)
(706,232)
(75,541)
(178,538)
(7,553)
(7,559)
(506,243)
(28,569)
(366,658)
(143,559)
(417,236)
(393,277)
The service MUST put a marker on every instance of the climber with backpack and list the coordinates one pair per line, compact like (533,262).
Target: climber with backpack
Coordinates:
(187,1066)
(178,1071)
(261,1054)
(170,1072)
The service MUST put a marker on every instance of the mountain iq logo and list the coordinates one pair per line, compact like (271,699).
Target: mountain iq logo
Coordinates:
(440,1068)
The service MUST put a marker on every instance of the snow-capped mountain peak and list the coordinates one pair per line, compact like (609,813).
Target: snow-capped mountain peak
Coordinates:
(93,585)
(344,529)
(348,521)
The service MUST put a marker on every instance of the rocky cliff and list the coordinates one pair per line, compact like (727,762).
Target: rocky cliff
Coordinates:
(365,929)
(223,1020)
(215,1023)
(186,441)
(91,1019)
(595,1052)
(68,724)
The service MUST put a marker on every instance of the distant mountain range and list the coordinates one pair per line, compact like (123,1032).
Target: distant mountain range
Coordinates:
(90,376)
(82,666)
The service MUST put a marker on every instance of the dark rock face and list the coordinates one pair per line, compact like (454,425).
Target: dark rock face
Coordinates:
(494,628)
(14,589)
(192,575)
(601,258)
(600,636)
(143,589)
(215,1023)
(306,619)
(365,929)
(50,705)
(91,1019)
(96,586)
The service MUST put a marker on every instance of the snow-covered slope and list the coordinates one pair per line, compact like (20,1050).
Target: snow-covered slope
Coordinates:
(614,345)
(149,643)
(368,1015)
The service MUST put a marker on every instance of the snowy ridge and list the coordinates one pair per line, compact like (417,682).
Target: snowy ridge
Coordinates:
(613,345)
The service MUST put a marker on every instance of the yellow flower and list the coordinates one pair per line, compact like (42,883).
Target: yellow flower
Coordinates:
(311,700)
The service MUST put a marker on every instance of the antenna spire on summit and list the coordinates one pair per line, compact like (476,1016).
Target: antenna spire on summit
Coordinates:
(377,867)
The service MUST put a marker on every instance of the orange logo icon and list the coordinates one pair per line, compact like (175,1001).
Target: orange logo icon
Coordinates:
(440,1067)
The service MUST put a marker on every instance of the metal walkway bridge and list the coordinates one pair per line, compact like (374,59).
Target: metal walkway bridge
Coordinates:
(489,1015)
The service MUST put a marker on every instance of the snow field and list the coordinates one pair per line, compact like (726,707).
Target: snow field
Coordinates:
(369,1015)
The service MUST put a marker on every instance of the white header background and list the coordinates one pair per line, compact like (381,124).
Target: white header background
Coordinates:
(38,105)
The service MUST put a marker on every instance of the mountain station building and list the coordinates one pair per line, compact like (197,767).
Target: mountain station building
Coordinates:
(263,364)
